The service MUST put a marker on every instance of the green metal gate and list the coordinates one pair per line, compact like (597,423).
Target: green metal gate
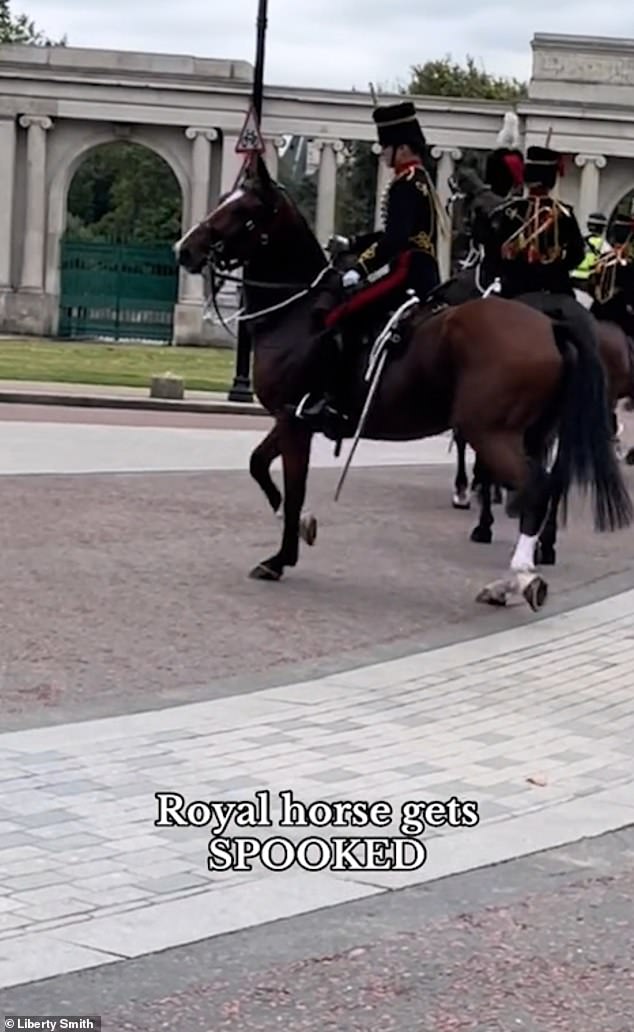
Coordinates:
(117,291)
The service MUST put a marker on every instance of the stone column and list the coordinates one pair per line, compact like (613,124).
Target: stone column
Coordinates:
(383,179)
(191,286)
(447,157)
(327,188)
(35,222)
(231,162)
(200,170)
(7,178)
(590,165)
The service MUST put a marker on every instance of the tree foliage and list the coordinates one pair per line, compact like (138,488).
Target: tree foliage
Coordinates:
(123,192)
(18,28)
(444,77)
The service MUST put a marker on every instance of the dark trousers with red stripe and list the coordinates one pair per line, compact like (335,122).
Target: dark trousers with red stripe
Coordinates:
(379,295)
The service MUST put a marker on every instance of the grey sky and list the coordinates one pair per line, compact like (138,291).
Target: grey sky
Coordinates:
(333,43)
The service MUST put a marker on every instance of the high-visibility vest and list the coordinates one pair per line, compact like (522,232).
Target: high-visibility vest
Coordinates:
(595,246)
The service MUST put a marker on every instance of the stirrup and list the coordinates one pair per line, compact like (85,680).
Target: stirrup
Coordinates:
(299,411)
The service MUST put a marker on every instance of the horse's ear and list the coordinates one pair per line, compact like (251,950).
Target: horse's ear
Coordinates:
(262,174)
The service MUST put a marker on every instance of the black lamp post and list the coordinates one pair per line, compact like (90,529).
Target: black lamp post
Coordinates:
(241,389)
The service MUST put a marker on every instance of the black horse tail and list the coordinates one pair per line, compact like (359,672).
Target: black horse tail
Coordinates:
(585,453)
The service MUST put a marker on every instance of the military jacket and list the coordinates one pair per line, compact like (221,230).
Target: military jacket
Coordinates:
(539,244)
(410,222)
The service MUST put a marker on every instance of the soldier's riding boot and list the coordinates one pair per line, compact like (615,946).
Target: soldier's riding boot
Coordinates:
(324,412)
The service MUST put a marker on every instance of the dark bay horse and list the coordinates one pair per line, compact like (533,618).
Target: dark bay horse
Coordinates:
(473,280)
(495,370)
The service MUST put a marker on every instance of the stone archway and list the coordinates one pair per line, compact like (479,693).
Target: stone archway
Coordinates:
(62,174)
(119,279)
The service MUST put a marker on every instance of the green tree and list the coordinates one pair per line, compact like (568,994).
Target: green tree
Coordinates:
(126,193)
(444,77)
(356,189)
(439,78)
(18,28)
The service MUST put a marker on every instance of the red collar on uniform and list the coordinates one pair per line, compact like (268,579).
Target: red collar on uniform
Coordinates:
(406,165)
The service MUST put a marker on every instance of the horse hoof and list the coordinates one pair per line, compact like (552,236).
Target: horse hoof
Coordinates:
(461,500)
(264,572)
(629,457)
(492,595)
(308,529)
(482,535)
(536,593)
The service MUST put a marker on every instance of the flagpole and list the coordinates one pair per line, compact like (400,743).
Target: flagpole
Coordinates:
(241,389)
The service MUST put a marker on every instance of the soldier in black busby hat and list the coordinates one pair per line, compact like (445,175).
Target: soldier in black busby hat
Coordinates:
(540,244)
(539,240)
(406,248)
(611,284)
(504,175)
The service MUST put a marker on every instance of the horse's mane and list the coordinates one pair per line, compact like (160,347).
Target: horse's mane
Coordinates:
(252,183)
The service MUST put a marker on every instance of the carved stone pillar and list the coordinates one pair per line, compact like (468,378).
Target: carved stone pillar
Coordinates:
(231,162)
(7,179)
(447,158)
(32,277)
(590,165)
(384,176)
(202,139)
(200,170)
(327,188)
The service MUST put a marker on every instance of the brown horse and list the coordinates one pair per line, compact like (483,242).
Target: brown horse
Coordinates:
(617,355)
(494,370)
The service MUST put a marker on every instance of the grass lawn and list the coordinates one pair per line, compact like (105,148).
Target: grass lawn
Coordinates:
(203,369)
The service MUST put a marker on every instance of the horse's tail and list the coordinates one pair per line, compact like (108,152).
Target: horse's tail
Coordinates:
(585,454)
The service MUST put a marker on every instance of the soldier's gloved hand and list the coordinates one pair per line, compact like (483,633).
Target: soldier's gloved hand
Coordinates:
(351,278)
(337,243)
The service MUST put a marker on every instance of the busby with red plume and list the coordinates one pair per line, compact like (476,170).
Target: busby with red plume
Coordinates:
(505,165)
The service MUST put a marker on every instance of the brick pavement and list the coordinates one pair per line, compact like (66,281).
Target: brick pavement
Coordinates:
(86,878)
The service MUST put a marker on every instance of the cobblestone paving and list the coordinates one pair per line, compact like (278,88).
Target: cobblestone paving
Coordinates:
(535,723)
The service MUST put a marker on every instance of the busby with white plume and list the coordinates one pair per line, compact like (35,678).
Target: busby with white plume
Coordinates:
(509,135)
(505,165)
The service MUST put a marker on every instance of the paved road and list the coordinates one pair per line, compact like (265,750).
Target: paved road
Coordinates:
(126,592)
(542,944)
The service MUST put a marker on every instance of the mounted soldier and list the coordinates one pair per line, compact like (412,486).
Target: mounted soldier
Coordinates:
(504,175)
(400,258)
(596,246)
(611,284)
(540,244)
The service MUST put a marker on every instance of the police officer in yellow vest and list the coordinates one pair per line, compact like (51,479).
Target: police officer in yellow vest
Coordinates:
(596,245)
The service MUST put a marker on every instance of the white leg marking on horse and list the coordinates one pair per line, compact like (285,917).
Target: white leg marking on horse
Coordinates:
(307,525)
(524,554)
(462,499)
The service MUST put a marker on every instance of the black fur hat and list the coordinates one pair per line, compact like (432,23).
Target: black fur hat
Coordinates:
(397,124)
(542,167)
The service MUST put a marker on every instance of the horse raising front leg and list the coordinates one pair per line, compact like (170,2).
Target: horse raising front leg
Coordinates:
(260,463)
(294,445)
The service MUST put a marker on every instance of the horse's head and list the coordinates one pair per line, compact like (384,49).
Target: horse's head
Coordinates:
(239,226)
